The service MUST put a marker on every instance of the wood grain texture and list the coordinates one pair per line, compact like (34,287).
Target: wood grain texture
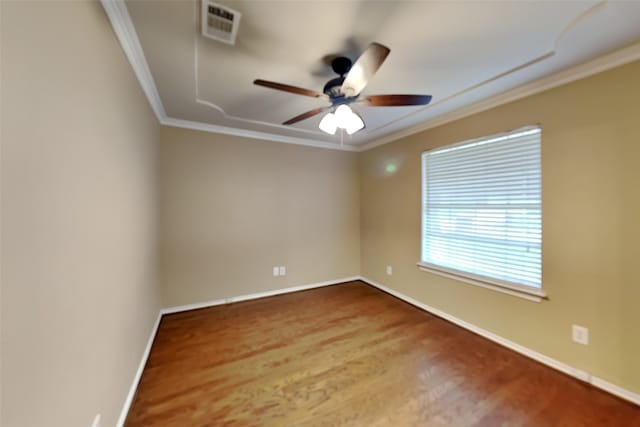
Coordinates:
(350,355)
(289,88)
(306,115)
(394,100)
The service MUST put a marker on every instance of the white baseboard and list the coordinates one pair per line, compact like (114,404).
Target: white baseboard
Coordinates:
(553,363)
(546,360)
(177,309)
(615,390)
(136,379)
(246,297)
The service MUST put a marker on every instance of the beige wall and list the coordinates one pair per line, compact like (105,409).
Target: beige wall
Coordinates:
(591,224)
(79,291)
(232,208)
(78,157)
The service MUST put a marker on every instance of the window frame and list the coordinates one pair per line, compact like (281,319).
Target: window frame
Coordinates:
(528,292)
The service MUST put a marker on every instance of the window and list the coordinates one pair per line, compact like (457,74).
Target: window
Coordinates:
(481,211)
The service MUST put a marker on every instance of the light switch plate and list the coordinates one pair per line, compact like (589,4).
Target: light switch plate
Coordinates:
(283,271)
(276,271)
(580,334)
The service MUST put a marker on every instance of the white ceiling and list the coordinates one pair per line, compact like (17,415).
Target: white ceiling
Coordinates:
(461,52)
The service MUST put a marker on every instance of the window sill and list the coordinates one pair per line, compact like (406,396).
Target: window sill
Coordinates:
(531,295)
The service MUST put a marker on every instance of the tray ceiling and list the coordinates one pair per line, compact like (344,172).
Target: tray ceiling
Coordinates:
(459,52)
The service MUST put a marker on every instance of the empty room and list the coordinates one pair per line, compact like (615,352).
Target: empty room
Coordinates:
(319,213)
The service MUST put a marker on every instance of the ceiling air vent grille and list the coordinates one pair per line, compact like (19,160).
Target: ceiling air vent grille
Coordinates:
(219,22)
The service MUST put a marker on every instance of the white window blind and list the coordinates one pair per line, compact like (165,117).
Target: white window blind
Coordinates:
(481,210)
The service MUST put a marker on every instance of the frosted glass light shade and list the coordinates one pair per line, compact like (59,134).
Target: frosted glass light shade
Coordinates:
(354,124)
(329,124)
(343,118)
(343,114)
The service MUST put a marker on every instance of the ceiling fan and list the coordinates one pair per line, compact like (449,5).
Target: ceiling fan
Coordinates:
(346,90)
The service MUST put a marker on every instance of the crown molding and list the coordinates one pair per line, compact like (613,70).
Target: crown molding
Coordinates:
(595,66)
(209,104)
(205,127)
(125,31)
(118,14)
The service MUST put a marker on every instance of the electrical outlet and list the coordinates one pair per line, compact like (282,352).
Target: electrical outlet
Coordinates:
(283,271)
(276,271)
(389,270)
(580,334)
(96,421)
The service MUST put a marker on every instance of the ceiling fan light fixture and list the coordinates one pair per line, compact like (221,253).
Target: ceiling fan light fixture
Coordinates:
(343,115)
(354,124)
(346,89)
(329,124)
(343,118)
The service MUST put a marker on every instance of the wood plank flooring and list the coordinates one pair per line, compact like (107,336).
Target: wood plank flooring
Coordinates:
(350,355)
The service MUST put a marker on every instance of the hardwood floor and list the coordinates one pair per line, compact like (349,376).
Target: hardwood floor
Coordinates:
(350,355)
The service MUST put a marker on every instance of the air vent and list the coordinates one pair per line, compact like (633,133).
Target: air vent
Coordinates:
(219,22)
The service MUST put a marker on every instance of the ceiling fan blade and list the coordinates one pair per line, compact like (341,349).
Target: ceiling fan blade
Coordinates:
(289,88)
(306,115)
(364,68)
(394,100)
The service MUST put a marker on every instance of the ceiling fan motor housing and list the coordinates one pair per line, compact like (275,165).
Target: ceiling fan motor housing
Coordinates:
(345,89)
(333,88)
(341,66)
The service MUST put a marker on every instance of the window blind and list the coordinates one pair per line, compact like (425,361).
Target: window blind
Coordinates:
(481,213)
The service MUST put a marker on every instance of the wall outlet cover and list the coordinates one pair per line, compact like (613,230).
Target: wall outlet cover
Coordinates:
(580,334)
(276,271)
(389,270)
(283,271)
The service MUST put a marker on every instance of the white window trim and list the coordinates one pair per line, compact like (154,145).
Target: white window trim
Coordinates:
(521,291)
(528,293)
